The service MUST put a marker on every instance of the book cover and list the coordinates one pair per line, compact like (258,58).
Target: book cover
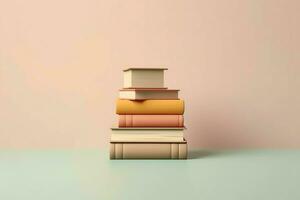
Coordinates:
(129,150)
(151,121)
(148,93)
(147,134)
(148,107)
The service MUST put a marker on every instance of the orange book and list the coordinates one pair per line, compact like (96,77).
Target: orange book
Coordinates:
(150,107)
(151,121)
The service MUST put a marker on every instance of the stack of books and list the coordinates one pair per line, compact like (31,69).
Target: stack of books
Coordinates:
(150,124)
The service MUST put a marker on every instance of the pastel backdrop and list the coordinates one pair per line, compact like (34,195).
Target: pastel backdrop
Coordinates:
(237,64)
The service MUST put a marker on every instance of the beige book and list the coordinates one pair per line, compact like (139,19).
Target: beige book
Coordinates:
(144,77)
(151,121)
(129,150)
(144,94)
(147,134)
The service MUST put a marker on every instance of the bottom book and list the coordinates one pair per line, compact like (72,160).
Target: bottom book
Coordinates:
(128,150)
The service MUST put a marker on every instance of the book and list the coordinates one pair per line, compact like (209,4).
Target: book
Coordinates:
(146,134)
(151,120)
(148,107)
(129,150)
(143,77)
(144,93)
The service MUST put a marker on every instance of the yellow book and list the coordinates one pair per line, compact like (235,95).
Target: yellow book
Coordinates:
(150,107)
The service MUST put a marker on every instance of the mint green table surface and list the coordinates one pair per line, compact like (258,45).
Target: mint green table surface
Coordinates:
(90,175)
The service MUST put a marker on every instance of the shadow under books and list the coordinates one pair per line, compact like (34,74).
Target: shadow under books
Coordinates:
(201,153)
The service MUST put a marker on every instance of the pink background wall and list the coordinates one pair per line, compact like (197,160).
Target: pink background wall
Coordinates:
(236,62)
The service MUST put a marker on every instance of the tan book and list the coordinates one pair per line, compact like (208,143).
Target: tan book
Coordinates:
(129,150)
(147,134)
(144,94)
(144,77)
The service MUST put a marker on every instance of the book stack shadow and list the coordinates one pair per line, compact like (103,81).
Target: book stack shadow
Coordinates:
(150,118)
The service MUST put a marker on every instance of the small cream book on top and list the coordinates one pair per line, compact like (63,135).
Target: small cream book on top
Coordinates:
(144,77)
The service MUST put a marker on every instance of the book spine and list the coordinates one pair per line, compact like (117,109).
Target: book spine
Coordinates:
(151,121)
(148,150)
(150,107)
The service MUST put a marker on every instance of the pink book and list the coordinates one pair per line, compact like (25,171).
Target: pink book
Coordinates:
(150,120)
